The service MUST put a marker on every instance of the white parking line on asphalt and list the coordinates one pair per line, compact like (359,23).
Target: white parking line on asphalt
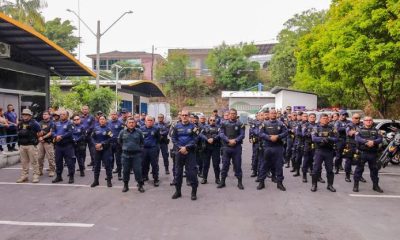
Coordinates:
(374,196)
(47,224)
(16,168)
(57,185)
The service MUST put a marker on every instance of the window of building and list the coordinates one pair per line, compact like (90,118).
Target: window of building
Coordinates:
(22,81)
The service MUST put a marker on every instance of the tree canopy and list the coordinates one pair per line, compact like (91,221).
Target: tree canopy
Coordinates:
(231,68)
(62,33)
(356,52)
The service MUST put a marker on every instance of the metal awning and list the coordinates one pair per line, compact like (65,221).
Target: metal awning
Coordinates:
(25,38)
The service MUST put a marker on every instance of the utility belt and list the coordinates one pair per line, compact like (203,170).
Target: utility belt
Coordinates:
(80,145)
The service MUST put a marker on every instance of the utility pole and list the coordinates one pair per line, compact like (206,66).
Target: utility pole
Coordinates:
(152,61)
(98,36)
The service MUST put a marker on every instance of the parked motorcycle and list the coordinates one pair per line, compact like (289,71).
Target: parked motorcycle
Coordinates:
(392,151)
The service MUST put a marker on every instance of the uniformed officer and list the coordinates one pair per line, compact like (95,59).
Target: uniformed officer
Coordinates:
(116,127)
(210,136)
(79,137)
(184,136)
(299,143)
(151,150)
(174,149)
(28,129)
(124,116)
(131,141)
(164,141)
(142,120)
(87,122)
(255,141)
(350,152)
(218,119)
(308,153)
(101,137)
(291,126)
(232,133)
(45,146)
(62,135)
(340,126)
(272,133)
(324,137)
(368,139)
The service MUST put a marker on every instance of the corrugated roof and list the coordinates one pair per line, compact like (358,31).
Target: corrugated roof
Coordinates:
(125,55)
(276,90)
(41,48)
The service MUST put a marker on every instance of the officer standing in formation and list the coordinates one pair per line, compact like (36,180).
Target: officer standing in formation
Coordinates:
(131,141)
(340,127)
(184,136)
(151,150)
(272,133)
(79,138)
(232,135)
(45,146)
(210,136)
(116,127)
(368,139)
(256,144)
(324,137)
(27,141)
(164,141)
(350,152)
(101,137)
(64,147)
(87,122)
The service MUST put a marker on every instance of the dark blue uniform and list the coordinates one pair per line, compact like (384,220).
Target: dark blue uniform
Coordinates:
(273,151)
(185,135)
(308,150)
(350,152)
(324,139)
(341,143)
(131,142)
(79,138)
(64,148)
(299,146)
(150,151)
(102,135)
(291,126)
(164,141)
(116,127)
(256,146)
(87,122)
(232,130)
(368,154)
(211,151)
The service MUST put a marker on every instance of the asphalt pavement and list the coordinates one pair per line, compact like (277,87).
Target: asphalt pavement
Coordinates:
(76,211)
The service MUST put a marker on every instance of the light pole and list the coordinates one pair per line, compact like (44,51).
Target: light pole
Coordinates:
(119,69)
(98,36)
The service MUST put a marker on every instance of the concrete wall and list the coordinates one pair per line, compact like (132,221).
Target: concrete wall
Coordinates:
(248,105)
(288,98)
(8,159)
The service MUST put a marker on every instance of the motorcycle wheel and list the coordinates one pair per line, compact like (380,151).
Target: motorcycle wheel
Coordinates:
(395,160)
(383,160)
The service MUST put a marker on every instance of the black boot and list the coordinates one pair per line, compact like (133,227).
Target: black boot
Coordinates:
(115,170)
(119,175)
(304,177)
(222,183)
(71,179)
(314,180)
(95,182)
(280,186)
(330,183)
(166,171)
(156,182)
(240,184)
(109,184)
(173,183)
(204,181)
(217,181)
(273,179)
(177,193)
(194,193)
(261,185)
(57,179)
(376,188)
(253,174)
(126,187)
(356,185)
(337,171)
(140,187)
(297,172)
(347,179)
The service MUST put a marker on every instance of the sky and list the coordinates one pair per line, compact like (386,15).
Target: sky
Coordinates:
(177,23)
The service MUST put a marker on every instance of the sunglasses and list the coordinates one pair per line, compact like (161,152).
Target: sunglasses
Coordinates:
(212,120)
(356,118)
(77,119)
(368,120)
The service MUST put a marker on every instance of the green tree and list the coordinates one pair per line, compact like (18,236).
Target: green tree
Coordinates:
(283,63)
(130,71)
(26,11)
(181,82)
(231,68)
(102,99)
(356,50)
(62,34)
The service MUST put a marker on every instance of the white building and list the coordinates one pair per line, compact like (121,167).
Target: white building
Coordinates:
(298,100)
